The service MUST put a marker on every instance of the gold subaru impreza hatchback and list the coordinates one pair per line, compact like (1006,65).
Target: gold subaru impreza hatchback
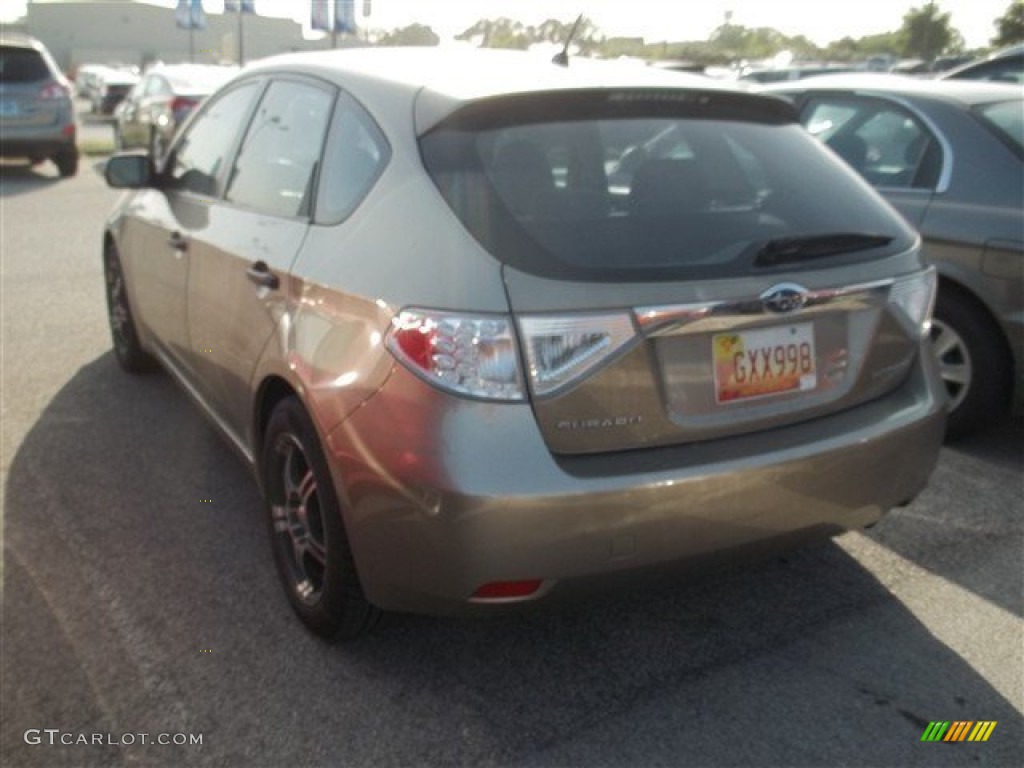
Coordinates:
(486,327)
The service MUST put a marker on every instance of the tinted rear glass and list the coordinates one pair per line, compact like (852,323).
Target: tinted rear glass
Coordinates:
(22,65)
(630,194)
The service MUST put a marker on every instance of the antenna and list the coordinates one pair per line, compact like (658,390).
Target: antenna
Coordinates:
(562,57)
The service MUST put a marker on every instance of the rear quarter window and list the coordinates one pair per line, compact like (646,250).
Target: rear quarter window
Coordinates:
(1006,120)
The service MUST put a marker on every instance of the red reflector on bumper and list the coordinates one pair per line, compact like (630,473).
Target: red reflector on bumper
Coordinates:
(507,590)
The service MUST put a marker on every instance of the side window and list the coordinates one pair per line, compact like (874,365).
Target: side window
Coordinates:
(882,141)
(200,157)
(276,166)
(356,154)
(157,86)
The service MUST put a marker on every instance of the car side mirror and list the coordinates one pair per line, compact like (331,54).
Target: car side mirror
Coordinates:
(130,170)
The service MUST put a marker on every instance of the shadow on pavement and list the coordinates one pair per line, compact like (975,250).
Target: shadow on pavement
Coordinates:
(20,178)
(140,597)
(977,499)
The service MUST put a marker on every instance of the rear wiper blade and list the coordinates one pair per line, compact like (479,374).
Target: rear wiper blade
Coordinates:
(788,250)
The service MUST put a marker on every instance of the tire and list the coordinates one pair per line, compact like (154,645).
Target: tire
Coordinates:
(307,532)
(123,332)
(974,363)
(66,161)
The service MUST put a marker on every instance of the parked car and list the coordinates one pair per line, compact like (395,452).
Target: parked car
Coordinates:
(87,80)
(785,74)
(112,87)
(1003,66)
(469,370)
(154,108)
(949,155)
(37,119)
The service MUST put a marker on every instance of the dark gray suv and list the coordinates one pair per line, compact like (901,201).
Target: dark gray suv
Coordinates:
(37,118)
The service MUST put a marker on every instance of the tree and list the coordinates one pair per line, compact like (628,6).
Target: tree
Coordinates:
(926,33)
(414,34)
(1010,26)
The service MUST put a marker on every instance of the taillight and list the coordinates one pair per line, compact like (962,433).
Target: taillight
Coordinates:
(476,355)
(505,591)
(180,104)
(472,355)
(915,296)
(562,350)
(53,91)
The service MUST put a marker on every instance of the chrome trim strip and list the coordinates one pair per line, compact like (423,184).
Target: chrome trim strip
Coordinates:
(671,319)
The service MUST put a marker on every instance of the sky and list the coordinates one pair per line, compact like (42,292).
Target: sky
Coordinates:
(820,20)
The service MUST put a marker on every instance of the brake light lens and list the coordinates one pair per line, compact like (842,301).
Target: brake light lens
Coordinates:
(915,296)
(502,591)
(476,355)
(181,106)
(52,91)
(562,350)
(472,355)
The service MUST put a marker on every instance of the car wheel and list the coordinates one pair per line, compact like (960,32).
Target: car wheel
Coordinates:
(66,161)
(974,364)
(127,348)
(310,547)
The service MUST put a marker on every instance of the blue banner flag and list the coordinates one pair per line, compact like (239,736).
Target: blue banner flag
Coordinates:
(320,15)
(345,16)
(197,16)
(248,6)
(182,15)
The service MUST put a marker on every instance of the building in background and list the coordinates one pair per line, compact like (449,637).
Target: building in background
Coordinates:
(138,33)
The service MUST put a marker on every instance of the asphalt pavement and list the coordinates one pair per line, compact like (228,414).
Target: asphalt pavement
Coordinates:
(140,602)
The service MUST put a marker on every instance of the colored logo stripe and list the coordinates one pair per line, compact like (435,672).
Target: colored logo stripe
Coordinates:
(982,731)
(958,730)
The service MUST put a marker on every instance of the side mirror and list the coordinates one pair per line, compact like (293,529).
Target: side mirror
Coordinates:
(130,170)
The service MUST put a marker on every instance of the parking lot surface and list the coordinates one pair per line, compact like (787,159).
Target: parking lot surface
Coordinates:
(139,597)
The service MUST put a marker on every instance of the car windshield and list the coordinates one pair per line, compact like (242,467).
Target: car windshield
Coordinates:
(638,192)
(1006,119)
(22,65)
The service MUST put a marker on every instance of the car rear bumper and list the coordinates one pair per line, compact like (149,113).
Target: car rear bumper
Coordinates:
(37,141)
(440,501)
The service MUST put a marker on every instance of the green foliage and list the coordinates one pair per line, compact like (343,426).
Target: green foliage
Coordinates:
(1010,26)
(414,34)
(927,33)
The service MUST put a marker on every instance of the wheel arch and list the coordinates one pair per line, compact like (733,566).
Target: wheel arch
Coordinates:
(272,390)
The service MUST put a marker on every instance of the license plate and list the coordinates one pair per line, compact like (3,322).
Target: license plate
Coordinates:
(770,361)
(8,108)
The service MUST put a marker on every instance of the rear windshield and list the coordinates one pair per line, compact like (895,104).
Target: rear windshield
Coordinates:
(688,189)
(22,65)
(1006,120)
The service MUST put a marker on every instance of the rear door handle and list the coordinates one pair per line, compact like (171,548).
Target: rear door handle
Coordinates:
(177,242)
(260,274)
